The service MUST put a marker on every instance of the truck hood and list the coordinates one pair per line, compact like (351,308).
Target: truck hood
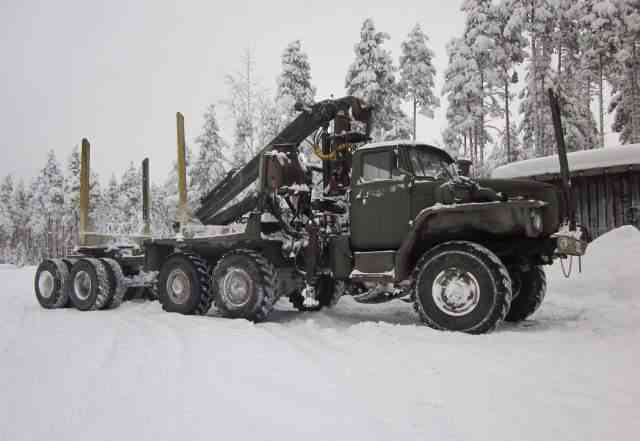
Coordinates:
(532,190)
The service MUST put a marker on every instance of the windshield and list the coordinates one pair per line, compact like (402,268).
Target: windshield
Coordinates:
(428,164)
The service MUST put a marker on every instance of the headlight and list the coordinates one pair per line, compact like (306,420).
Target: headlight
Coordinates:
(536,220)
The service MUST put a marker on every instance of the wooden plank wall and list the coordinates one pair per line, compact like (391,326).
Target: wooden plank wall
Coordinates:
(607,201)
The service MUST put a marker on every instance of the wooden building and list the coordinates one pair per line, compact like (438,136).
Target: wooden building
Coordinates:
(606,183)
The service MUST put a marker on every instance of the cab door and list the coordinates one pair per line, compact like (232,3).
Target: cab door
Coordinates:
(379,201)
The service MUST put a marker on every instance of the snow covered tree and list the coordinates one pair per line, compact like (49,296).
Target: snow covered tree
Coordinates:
(619,21)
(293,86)
(47,206)
(246,103)
(6,223)
(480,34)
(461,87)
(597,42)
(509,54)
(572,79)
(536,127)
(210,165)
(130,199)
(417,74)
(294,81)
(372,77)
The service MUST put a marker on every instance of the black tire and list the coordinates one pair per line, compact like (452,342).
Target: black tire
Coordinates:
(117,287)
(184,285)
(484,303)
(255,274)
(49,284)
(88,284)
(529,294)
(326,291)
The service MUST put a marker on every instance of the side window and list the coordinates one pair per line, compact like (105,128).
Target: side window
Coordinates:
(376,166)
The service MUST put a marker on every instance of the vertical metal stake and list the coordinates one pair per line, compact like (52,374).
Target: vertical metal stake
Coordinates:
(84,190)
(182,170)
(146,197)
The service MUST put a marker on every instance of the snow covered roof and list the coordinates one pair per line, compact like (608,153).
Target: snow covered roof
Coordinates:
(620,156)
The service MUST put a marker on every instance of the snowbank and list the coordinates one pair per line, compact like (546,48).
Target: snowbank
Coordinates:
(357,372)
(578,161)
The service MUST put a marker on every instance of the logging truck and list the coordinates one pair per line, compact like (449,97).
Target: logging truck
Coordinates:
(376,221)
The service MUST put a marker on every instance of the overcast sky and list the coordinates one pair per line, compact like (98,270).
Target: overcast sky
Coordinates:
(117,71)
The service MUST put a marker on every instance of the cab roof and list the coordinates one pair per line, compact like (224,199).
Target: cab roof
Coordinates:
(407,143)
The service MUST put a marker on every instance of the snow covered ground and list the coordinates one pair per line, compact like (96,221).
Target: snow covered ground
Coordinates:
(353,373)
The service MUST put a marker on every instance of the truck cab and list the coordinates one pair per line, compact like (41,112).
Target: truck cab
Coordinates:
(391,183)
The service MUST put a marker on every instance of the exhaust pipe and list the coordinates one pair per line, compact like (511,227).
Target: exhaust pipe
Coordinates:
(570,202)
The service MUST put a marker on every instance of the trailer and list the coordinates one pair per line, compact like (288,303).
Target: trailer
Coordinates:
(377,221)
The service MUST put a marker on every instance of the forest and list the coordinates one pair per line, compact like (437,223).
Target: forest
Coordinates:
(494,97)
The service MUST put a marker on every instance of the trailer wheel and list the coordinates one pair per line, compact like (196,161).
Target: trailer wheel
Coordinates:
(117,287)
(49,284)
(461,286)
(531,289)
(244,285)
(183,284)
(88,284)
(327,295)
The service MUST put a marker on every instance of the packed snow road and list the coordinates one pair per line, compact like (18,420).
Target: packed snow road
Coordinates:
(352,373)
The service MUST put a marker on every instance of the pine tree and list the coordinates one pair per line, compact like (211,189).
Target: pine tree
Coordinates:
(597,42)
(572,79)
(247,103)
(620,22)
(509,54)
(209,167)
(480,37)
(372,77)
(130,199)
(47,207)
(536,127)
(6,223)
(417,74)
(294,81)
(461,87)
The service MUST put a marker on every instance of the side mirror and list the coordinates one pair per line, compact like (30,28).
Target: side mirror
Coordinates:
(464,167)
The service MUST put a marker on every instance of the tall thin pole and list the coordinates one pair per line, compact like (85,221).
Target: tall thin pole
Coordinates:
(182,170)
(146,197)
(84,190)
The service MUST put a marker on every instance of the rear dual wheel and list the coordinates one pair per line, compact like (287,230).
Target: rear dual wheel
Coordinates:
(244,285)
(184,285)
(88,285)
(50,284)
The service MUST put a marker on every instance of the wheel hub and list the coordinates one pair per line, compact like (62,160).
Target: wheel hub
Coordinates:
(46,284)
(236,287)
(178,286)
(82,285)
(455,292)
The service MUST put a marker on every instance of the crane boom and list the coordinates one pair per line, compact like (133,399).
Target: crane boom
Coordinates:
(309,120)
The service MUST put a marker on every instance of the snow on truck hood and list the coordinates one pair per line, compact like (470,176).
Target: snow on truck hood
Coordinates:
(578,161)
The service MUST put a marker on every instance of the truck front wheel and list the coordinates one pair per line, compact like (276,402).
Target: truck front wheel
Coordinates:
(244,285)
(461,286)
(530,288)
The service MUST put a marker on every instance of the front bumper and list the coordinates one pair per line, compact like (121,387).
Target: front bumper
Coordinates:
(570,243)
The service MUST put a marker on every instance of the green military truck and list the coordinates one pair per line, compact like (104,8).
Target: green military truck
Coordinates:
(377,221)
